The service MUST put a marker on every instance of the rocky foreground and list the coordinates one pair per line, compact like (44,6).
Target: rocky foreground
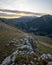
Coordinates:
(27,53)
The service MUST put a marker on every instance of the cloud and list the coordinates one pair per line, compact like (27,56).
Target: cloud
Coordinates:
(27,5)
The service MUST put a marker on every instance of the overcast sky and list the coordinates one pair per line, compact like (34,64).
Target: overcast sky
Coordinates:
(40,6)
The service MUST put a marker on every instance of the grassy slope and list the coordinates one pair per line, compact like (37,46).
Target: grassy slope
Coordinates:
(44,44)
(44,49)
(7,33)
(47,40)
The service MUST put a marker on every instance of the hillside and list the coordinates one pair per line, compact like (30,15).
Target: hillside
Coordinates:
(42,24)
(37,25)
(44,44)
(7,33)
(13,40)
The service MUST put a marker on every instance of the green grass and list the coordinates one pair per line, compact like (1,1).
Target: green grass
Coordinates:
(44,49)
(7,33)
(45,39)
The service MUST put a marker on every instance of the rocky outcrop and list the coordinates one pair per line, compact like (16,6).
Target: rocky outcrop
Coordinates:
(26,54)
(27,48)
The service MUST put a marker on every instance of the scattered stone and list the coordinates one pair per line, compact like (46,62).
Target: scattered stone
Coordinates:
(46,56)
(28,48)
(49,63)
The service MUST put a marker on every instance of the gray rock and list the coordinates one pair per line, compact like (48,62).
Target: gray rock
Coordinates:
(49,63)
(29,48)
(46,56)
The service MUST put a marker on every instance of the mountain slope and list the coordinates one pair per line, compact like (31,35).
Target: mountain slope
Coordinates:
(8,33)
(37,25)
(43,24)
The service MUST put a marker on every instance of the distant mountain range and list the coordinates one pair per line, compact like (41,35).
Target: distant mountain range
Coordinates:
(37,25)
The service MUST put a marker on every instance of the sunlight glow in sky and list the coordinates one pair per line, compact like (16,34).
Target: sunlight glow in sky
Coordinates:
(40,6)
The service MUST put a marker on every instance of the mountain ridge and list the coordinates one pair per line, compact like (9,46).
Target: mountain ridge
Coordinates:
(37,25)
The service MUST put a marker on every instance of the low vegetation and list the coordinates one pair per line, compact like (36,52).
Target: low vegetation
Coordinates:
(7,33)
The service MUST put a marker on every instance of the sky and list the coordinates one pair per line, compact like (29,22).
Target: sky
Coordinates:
(38,6)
